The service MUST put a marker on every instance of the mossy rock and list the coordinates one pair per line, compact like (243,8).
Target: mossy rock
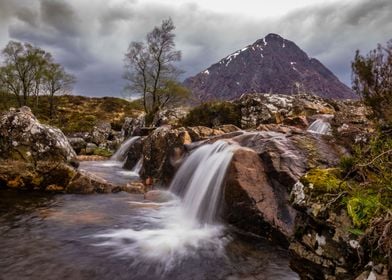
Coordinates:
(324,180)
(362,208)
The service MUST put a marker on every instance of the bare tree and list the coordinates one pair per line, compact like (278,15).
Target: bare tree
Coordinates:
(55,81)
(20,74)
(150,69)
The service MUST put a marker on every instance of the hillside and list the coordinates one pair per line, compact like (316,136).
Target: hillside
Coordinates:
(79,113)
(272,64)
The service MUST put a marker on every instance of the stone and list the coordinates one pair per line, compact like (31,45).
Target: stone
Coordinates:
(253,203)
(198,133)
(134,187)
(172,116)
(134,154)
(158,196)
(84,183)
(161,152)
(133,126)
(23,137)
(101,133)
(77,143)
(90,148)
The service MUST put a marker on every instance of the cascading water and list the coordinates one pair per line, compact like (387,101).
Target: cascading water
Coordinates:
(136,169)
(320,126)
(121,153)
(199,180)
(180,227)
(112,170)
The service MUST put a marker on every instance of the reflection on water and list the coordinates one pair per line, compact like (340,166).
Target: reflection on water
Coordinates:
(75,237)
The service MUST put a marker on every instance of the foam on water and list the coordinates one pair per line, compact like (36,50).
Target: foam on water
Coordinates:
(185,226)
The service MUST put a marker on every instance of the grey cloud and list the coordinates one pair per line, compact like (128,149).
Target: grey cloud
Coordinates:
(90,40)
(61,16)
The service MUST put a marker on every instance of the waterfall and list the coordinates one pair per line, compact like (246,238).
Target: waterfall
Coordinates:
(320,126)
(121,153)
(136,169)
(198,181)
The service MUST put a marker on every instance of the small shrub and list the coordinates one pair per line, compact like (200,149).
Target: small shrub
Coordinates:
(214,114)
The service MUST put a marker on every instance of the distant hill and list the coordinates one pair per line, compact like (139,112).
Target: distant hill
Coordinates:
(79,113)
(272,64)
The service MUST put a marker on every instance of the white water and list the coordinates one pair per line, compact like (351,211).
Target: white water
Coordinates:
(136,169)
(183,227)
(320,126)
(121,153)
(199,180)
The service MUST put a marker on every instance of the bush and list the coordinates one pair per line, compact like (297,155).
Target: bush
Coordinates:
(214,114)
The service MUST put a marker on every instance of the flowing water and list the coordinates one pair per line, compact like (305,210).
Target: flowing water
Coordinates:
(121,153)
(121,236)
(320,126)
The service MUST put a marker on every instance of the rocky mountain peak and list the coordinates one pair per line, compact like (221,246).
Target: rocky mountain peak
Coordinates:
(271,64)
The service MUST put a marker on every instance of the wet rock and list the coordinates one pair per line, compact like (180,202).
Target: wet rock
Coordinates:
(162,152)
(159,196)
(298,121)
(134,187)
(253,202)
(84,183)
(198,133)
(134,154)
(133,126)
(23,137)
(228,128)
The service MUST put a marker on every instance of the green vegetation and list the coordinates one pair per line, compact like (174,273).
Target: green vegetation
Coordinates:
(79,113)
(102,152)
(362,208)
(372,81)
(212,114)
(324,180)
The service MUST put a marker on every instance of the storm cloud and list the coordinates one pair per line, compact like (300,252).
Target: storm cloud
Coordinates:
(90,39)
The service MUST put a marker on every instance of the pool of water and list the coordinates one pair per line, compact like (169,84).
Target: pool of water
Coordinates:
(123,236)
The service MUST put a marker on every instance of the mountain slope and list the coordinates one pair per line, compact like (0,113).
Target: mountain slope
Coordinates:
(272,64)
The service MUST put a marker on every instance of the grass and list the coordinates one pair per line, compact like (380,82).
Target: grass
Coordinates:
(79,113)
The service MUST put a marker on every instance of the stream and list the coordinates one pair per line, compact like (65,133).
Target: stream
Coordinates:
(124,236)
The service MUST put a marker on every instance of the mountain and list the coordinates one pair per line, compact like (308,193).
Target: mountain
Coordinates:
(272,64)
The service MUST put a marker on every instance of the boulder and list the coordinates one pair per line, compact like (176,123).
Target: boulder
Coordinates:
(53,177)
(198,133)
(23,137)
(134,154)
(260,108)
(171,116)
(262,176)
(163,151)
(101,133)
(77,143)
(133,126)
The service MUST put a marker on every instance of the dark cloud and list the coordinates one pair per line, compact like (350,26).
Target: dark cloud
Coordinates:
(91,39)
(61,16)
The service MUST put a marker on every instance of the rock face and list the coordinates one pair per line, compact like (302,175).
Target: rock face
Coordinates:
(260,108)
(135,153)
(163,151)
(132,126)
(51,176)
(23,137)
(261,177)
(272,64)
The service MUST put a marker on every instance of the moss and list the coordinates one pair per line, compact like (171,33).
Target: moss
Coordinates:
(362,208)
(324,180)
(102,152)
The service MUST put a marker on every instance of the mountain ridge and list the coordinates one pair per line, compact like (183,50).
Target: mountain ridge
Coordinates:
(271,64)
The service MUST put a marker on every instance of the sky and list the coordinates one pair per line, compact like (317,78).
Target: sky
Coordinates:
(90,37)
